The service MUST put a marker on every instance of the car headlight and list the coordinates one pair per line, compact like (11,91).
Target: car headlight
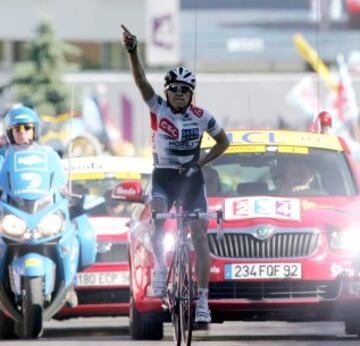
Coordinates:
(51,224)
(13,225)
(348,240)
(351,241)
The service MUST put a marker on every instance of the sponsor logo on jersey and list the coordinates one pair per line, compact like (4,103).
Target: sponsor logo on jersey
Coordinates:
(30,159)
(169,128)
(34,180)
(197,111)
(190,134)
(176,144)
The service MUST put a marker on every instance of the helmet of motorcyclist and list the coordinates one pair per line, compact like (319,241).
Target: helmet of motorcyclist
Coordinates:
(21,116)
(180,74)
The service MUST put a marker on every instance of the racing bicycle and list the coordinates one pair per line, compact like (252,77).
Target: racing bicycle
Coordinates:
(181,288)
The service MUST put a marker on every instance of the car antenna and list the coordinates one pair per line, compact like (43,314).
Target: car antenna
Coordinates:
(249,108)
(195,45)
(69,148)
(318,4)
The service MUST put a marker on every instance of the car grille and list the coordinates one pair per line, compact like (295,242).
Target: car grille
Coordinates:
(118,252)
(274,290)
(281,244)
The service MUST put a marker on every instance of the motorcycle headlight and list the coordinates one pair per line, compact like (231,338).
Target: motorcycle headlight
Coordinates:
(51,224)
(13,225)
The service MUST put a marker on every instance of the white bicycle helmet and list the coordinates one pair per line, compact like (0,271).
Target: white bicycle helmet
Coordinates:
(180,74)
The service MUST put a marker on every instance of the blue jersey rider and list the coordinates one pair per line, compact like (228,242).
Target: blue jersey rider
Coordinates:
(22,126)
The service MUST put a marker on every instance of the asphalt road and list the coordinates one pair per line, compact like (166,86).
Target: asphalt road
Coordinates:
(114,331)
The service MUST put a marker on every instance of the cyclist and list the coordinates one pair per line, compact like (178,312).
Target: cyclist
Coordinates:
(177,127)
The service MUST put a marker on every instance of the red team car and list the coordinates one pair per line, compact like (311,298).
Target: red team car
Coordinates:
(291,233)
(103,288)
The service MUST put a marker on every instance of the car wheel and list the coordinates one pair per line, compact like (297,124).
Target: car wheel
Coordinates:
(141,328)
(352,325)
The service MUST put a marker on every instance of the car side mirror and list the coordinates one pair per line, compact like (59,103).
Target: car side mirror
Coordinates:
(129,191)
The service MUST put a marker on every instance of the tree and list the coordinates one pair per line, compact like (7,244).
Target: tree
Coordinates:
(37,82)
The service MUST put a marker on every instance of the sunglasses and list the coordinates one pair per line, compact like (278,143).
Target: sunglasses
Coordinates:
(182,88)
(23,127)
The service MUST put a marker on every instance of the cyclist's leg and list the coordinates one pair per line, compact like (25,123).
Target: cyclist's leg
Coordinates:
(202,268)
(202,264)
(158,205)
(160,202)
(196,201)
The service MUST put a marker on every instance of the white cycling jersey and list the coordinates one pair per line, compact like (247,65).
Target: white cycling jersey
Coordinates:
(176,137)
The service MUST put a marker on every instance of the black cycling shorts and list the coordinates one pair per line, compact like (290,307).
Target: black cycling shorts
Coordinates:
(171,185)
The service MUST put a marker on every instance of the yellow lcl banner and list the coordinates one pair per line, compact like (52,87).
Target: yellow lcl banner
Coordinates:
(278,138)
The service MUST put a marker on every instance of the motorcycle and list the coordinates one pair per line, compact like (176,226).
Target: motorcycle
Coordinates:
(44,242)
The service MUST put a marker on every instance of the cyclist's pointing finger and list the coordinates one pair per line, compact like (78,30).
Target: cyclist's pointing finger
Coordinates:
(125,29)
(129,39)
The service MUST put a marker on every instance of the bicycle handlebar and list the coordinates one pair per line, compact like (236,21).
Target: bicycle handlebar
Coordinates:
(193,216)
(189,216)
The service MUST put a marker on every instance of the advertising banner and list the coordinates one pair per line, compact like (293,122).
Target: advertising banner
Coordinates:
(162,32)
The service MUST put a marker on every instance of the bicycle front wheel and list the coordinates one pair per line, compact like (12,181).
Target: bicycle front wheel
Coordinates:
(174,301)
(186,295)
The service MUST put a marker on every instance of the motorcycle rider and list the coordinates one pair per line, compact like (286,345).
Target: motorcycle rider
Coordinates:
(23,128)
(177,128)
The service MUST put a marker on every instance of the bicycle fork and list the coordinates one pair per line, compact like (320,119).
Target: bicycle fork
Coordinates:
(173,296)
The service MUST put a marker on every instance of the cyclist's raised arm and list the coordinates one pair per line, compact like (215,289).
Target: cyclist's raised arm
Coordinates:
(220,146)
(137,68)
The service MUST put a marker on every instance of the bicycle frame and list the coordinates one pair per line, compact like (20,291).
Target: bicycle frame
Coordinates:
(180,294)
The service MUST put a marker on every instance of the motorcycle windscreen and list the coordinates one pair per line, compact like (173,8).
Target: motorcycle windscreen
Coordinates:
(29,174)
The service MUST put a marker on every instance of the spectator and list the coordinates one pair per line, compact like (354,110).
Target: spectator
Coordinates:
(212,181)
(294,177)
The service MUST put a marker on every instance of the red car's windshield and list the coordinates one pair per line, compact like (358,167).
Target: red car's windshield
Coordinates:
(315,172)
(103,187)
